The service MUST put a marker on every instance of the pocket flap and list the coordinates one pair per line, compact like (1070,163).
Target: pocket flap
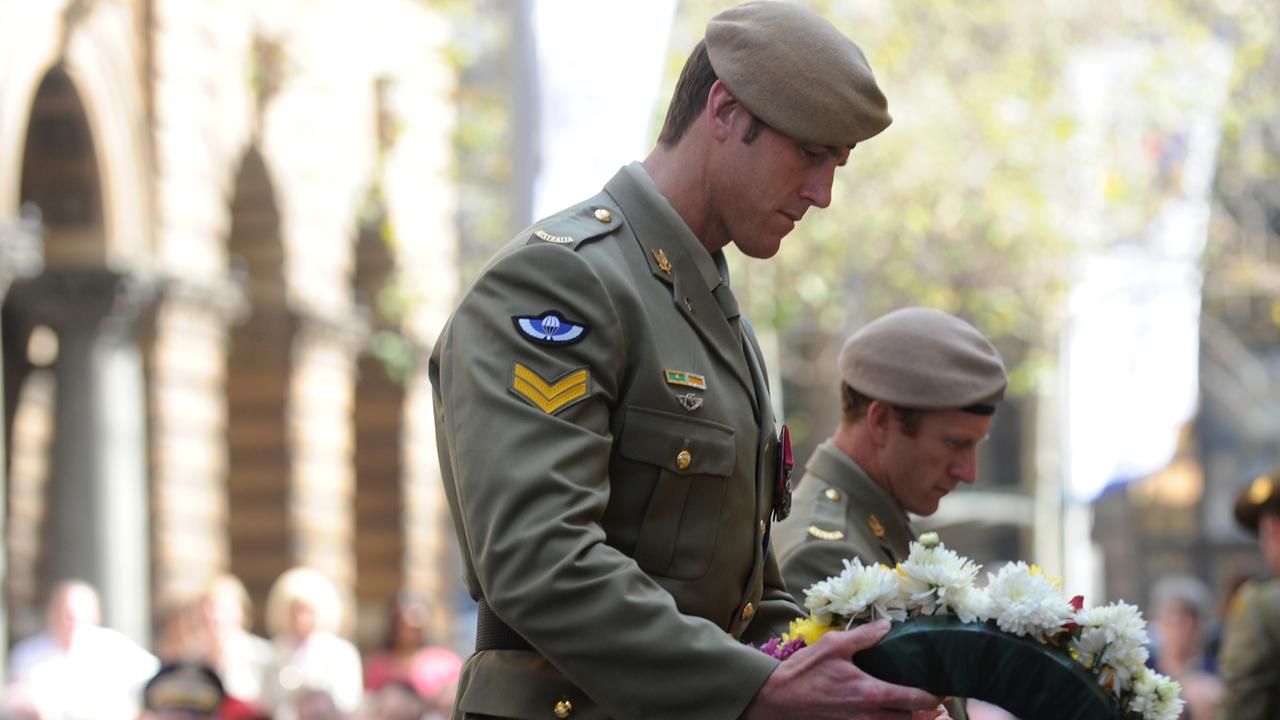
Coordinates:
(659,438)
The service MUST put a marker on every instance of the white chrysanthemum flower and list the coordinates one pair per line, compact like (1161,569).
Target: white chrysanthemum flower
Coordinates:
(1026,602)
(1169,691)
(970,604)
(1112,642)
(817,598)
(939,574)
(1154,696)
(860,590)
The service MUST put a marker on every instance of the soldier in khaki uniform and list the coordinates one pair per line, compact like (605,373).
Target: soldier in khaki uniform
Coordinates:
(606,437)
(918,389)
(1250,657)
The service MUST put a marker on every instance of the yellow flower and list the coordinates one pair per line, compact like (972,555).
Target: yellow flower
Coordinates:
(810,628)
(1054,580)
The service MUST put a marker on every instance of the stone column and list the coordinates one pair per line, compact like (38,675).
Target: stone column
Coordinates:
(320,411)
(21,255)
(186,374)
(96,529)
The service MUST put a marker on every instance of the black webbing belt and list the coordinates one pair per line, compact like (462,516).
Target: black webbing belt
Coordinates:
(493,634)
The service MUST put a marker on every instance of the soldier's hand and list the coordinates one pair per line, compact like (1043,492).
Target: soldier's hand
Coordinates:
(822,682)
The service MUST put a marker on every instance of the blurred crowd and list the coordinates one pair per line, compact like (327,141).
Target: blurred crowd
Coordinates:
(206,663)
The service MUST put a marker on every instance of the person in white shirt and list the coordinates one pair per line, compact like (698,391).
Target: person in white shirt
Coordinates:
(77,668)
(303,614)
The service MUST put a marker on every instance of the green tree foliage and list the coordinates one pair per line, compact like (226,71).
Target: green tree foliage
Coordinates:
(964,203)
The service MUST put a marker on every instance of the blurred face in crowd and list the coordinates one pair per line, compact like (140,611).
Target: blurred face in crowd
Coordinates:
(920,468)
(73,607)
(1178,627)
(302,619)
(223,610)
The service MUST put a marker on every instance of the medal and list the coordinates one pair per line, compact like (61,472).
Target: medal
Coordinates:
(782,491)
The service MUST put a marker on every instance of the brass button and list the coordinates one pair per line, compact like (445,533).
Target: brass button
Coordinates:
(748,611)
(761,528)
(832,494)
(684,459)
(603,215)
(564,709)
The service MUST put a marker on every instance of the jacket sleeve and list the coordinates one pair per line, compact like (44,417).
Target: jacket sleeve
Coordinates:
(531,468)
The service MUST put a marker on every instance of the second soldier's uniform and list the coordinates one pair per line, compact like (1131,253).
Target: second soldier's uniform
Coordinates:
(913,358)
(838,513)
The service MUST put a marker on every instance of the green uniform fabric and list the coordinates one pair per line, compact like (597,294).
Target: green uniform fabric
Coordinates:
(623,533)
(834,515)
(835,496)
(1250,657)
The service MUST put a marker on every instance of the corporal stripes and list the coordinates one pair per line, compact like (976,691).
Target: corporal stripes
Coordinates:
(550,397)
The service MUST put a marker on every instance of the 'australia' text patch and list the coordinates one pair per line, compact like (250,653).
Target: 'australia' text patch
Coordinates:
(550,328)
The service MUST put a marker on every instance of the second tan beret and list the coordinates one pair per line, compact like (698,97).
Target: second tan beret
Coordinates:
(924,359)
(797,72)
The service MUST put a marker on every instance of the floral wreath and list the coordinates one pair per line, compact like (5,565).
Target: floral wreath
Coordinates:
(1019,642)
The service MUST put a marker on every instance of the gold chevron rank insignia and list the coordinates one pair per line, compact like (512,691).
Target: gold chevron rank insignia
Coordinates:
(550,397)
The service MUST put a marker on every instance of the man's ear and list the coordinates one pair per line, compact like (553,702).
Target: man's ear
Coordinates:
(880,419)
(721,106)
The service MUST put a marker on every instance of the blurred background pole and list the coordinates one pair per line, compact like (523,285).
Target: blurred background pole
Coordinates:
(21,255)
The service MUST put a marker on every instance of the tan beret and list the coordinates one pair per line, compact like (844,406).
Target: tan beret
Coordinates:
(1262,496)
(924,359)
(797,72)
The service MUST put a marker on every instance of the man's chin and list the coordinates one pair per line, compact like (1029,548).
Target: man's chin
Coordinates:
(762,250)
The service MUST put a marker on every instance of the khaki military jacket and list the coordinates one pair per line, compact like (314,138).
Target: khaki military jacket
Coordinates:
(840,513)
(1250,657)
(609,457)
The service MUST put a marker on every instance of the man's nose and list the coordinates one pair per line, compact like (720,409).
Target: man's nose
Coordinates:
(965,469)
(817,191)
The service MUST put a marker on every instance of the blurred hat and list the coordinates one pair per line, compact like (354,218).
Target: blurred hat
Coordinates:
(924,359)
(1262,496)
(184,687)
(797,72)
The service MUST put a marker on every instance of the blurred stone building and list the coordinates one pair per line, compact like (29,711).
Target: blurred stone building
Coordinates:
(216,360)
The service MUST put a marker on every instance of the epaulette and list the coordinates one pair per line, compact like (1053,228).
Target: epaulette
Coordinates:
(828,515)
(578,224)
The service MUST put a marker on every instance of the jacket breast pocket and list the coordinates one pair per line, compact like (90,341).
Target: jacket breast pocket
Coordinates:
(693,459)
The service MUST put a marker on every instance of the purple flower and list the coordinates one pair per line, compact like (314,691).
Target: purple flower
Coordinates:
(775,648)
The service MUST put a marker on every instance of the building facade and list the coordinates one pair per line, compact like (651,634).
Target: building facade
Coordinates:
(217,361)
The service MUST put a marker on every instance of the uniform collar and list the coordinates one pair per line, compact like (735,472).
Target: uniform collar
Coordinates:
(633,187)
(838,469)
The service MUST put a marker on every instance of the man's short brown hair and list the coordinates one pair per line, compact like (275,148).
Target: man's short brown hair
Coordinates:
(853,406)
(690,96)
